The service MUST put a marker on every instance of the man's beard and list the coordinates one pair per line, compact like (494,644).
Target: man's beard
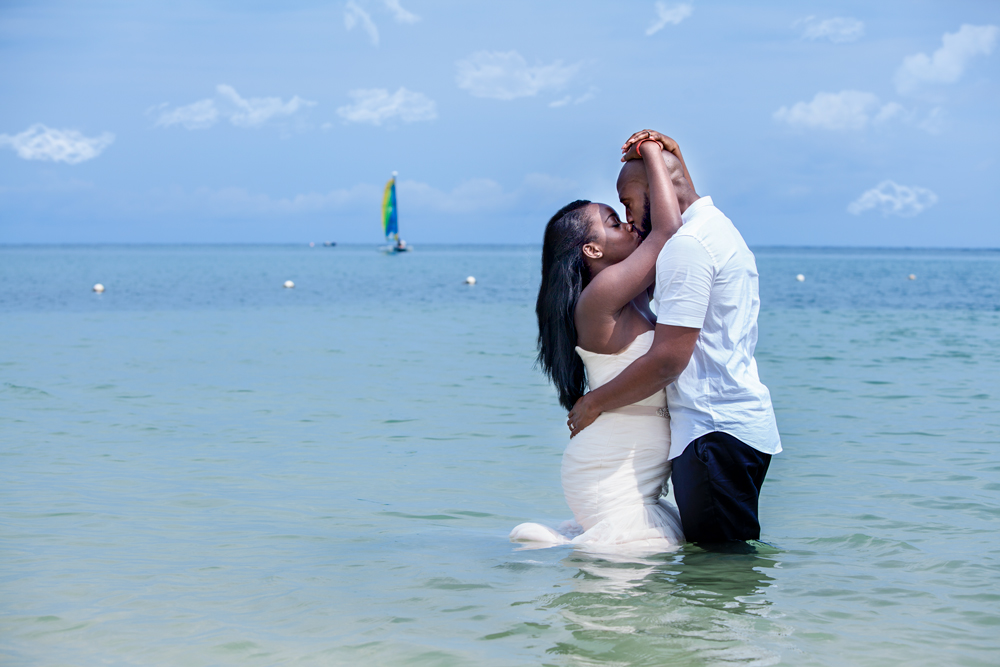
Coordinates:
(647,222)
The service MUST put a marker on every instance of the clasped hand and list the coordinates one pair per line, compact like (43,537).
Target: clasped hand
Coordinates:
(583,414)
(630,149)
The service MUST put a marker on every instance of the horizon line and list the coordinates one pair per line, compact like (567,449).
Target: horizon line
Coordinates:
(319,245)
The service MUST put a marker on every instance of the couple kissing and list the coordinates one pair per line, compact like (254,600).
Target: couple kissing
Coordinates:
(657,315)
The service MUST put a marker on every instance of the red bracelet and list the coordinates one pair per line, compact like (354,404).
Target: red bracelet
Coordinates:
(638,145)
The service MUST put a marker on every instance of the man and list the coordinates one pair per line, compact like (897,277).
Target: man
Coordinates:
(722,427)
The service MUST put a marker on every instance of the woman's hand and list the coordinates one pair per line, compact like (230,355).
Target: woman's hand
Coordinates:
(633,150)
(583,414)
(668,144)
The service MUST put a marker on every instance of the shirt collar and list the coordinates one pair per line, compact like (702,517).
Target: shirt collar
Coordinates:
(696,206)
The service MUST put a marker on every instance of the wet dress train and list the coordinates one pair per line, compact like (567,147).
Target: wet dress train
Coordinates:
(614,471)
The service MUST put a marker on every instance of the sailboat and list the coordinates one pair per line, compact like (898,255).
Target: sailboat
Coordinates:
(390,221)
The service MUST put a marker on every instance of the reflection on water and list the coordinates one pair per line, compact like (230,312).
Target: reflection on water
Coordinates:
(695,604)
(732,581)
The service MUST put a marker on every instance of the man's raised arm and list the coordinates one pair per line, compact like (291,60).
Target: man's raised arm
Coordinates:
(685,272)
(666,360)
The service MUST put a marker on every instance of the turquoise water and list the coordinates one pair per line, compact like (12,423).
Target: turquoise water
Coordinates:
(199,467)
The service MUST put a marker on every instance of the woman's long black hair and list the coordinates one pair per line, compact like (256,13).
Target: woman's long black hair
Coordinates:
(564,275)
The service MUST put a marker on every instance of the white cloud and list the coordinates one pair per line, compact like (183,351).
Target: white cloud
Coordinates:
(484,194)
(947,64)
(672,15)
(240,111)
(471,195)
(354,15)
(933,122)
(587,96)
(888,111)
(894,199)
(475,194)
(237,201)
(39,142)
(846,110)
(838,30)
(580,99)
(196,116)
(376,105)
(240,201)
(544,184)
(506,76)
(255,111)
(400,14)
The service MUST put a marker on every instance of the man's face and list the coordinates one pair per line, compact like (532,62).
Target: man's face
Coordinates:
(635,196)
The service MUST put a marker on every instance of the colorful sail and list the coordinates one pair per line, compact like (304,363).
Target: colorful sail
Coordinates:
(389,221)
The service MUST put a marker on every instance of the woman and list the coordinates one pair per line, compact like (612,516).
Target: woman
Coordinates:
(593,321)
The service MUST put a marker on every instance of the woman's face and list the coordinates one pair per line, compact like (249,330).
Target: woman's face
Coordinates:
(614,239)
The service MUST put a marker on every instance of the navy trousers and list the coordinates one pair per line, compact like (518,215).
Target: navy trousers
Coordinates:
(717,483)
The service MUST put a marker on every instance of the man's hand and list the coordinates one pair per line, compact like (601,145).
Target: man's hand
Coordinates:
(583,414)
(668,144)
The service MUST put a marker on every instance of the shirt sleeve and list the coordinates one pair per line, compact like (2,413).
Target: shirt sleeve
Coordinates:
(685,272)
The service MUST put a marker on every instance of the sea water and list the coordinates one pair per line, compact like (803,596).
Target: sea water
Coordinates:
(200,467)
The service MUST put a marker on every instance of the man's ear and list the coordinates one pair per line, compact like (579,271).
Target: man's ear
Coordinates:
(592,251)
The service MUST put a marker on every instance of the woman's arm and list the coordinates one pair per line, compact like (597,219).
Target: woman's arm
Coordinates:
(616,285)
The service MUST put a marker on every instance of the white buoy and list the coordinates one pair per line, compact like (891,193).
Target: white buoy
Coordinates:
(312,245)
(98,288)
(289,284)
(801,278)
(912,276)
(471,280)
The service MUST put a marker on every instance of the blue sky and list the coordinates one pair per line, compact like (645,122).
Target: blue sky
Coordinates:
(810,123)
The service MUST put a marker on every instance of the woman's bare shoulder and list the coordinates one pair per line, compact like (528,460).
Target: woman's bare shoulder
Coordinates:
(605,333)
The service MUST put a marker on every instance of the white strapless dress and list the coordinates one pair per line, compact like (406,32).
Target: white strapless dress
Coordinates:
(614,472)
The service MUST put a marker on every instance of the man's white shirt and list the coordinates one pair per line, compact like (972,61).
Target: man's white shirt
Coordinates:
(706,278)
